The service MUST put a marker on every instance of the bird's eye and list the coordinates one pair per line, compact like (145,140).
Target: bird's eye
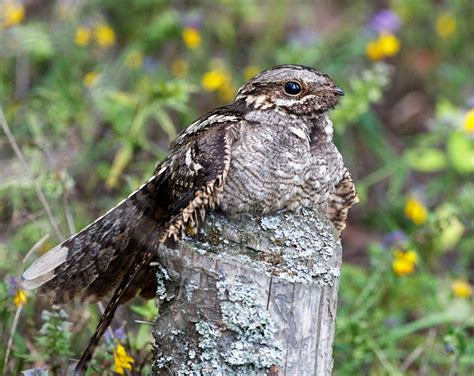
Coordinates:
(292,88)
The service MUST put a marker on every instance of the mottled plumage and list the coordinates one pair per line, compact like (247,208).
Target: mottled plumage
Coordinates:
(271,149)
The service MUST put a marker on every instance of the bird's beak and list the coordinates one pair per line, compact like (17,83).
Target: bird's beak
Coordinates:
(338,91)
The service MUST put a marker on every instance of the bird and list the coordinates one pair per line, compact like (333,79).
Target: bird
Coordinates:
(269,150)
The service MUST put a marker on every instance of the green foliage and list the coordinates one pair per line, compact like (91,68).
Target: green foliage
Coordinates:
(94,92)
(54,337)
(363,91)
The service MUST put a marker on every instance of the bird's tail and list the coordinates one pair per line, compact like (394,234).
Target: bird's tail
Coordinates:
(141,260)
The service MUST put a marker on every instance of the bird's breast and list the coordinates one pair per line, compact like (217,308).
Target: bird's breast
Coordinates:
(276,168)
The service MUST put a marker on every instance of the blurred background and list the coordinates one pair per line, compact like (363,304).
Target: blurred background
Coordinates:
(93,92)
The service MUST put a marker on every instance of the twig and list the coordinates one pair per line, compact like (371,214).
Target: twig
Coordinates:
(69,217)
(382,358)
(38,244)
(429,344)
(26,167)
(67,210)
(150,323)
(33,249)
(415,354)
(10,338)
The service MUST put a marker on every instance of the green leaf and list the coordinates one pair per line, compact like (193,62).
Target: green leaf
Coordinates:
(428,322)
(450,229)
(148,311)
(165,121)
(460,150)
(121,160)
(34,40)
(426,159)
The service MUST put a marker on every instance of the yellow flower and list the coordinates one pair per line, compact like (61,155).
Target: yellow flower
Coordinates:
(191,37)
(446,25)
(389,44)
(179,67)
(13,14)
(104,36)
(469,121)
(83,36)
(20,298)
(373,50)
(227,91)
(90,79)
(219,80)
(385,45)
(404,262)
(250,71)
(401,267)
(122,360)
(415,211)
(134,60)
(214,79)
(410,256)
(461,288)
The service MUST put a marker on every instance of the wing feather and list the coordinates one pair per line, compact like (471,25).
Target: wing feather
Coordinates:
(74,264)
(344,197)
(92,262)
(194,191)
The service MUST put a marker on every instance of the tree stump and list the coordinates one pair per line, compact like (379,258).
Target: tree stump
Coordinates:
(255,295)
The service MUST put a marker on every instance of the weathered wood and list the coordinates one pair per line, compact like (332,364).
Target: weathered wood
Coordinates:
(250,296)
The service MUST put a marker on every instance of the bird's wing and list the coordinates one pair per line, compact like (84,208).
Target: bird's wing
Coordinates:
(101,249)
(344,197)
(95,260)
(199,169)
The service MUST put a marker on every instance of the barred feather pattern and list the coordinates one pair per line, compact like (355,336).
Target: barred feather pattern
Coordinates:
(344,197)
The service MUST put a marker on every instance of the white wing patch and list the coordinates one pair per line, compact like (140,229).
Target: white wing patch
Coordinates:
(42,270)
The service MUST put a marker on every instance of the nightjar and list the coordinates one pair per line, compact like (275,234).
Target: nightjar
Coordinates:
(269,150)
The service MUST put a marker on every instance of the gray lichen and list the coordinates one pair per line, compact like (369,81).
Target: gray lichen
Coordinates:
(162,278)
(254,330)
(188,290)
(244,342)
(274,243)
(214,319)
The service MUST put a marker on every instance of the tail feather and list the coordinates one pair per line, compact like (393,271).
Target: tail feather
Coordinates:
(141,259)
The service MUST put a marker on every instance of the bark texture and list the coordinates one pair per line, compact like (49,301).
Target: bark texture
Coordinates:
(255,295)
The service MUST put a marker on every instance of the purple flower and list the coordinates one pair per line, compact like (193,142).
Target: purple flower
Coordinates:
(391,322)
(470,101)
(150,64)
(385,21)
(395,238)
(11,284)
(118,334)
(108,336)
(304,37)
(192,20)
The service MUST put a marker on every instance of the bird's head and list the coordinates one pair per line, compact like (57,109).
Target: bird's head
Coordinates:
(295,89)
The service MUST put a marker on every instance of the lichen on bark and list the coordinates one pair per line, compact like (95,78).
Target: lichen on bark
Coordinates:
(229,305)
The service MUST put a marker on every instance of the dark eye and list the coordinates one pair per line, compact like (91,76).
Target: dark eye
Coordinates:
(292,88)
